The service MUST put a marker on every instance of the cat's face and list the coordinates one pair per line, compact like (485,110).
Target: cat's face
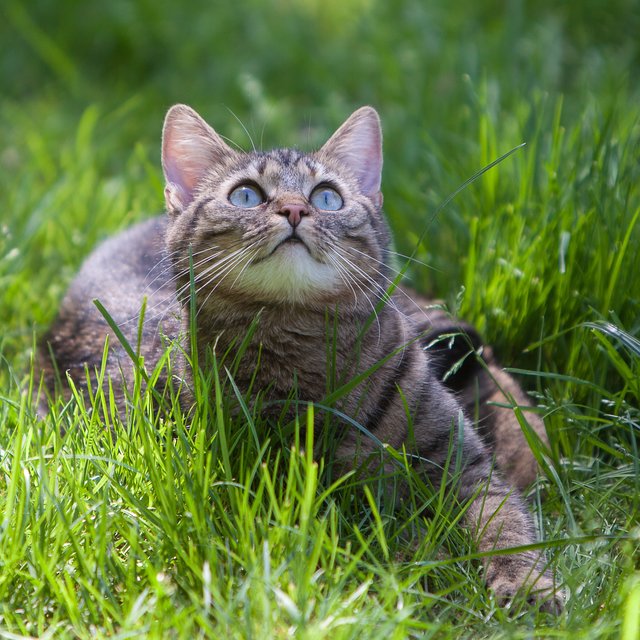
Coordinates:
(277,226)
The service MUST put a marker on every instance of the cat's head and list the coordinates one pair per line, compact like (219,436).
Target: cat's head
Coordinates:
(279,226)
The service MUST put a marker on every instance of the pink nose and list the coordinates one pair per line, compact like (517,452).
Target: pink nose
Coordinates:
(294,213)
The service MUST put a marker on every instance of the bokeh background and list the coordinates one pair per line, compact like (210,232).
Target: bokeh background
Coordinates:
(541,252)
(85,85)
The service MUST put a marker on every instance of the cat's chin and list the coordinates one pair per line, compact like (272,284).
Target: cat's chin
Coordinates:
(290,274)
(291,247)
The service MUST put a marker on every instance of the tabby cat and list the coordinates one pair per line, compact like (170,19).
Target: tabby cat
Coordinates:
(296,239)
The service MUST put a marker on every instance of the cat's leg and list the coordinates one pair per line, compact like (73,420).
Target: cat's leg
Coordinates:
(494,511)
(492,396)
(487,393)
(500,521)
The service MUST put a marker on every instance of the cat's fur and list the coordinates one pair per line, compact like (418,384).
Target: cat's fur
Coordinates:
(301,267)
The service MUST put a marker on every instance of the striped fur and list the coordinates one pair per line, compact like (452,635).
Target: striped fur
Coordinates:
(298,265)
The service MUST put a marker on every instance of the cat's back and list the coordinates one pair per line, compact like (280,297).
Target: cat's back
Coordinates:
(120,273)
(122,270)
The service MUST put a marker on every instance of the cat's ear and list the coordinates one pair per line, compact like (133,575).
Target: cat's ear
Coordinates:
(358,144)
(189,147)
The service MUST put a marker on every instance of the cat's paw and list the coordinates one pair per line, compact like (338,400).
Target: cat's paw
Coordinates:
(538,590)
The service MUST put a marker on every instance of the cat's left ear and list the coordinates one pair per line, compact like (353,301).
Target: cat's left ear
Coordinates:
(358,144)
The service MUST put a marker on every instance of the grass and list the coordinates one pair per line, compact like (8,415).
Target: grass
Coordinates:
(229,528)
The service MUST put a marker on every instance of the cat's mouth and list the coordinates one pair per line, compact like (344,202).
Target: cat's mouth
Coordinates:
(290,241)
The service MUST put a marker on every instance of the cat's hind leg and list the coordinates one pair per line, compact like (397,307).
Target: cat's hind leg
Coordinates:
(487,393)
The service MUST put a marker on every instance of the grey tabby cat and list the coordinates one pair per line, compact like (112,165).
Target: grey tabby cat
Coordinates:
(297,238)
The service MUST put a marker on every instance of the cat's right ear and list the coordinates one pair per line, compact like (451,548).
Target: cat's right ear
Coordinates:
(189,148)
(358,145)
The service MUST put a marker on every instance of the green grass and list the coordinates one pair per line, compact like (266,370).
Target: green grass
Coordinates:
(228,528)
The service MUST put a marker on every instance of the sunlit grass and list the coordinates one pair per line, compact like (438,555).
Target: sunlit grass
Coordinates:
(220,523)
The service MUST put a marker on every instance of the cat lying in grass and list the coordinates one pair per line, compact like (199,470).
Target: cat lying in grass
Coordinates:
(299,240)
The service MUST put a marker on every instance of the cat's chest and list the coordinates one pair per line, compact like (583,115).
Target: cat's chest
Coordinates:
(280,353)
(285,365)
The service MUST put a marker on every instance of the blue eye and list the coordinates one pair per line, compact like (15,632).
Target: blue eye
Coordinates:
(326,198)
(246,196)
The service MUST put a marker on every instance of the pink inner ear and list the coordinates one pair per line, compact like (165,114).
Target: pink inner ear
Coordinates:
(180,181)
(190,147)
(358,144)
(370,166)
(185,162)
(173,175)
(176,197)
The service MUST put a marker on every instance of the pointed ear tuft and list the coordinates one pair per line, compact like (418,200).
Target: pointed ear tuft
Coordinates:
(189,147)
(358,144)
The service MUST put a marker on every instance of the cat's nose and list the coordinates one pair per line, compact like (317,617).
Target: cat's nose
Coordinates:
(294,213)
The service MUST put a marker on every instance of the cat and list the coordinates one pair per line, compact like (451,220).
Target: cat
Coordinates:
(295,239)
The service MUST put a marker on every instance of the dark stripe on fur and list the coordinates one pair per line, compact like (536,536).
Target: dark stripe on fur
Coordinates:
(262,165)
(373,214)
(390,389)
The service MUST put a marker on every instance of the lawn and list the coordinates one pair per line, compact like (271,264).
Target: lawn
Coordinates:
(222,525)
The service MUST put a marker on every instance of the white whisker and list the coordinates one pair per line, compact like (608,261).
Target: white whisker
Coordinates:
(161,264)
(165,302)
(253,146)
(343,274)
(371,258)
(396,286)
(367,279)
(247,263)
(378,290)
(203,278)
(410,259)
(224,272)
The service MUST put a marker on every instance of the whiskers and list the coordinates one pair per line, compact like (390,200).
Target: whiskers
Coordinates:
(408,259)
(376,281)
(162,268)
(213,265)
(356,277)
(369,281)
(220,270)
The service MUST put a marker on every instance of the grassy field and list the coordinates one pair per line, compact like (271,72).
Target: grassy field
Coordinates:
(229,529)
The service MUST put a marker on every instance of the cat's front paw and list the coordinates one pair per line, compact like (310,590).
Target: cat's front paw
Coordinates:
(539,590)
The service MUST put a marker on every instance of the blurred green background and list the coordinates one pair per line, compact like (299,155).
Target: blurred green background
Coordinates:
(312,53)
(85,86)
(530,252)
